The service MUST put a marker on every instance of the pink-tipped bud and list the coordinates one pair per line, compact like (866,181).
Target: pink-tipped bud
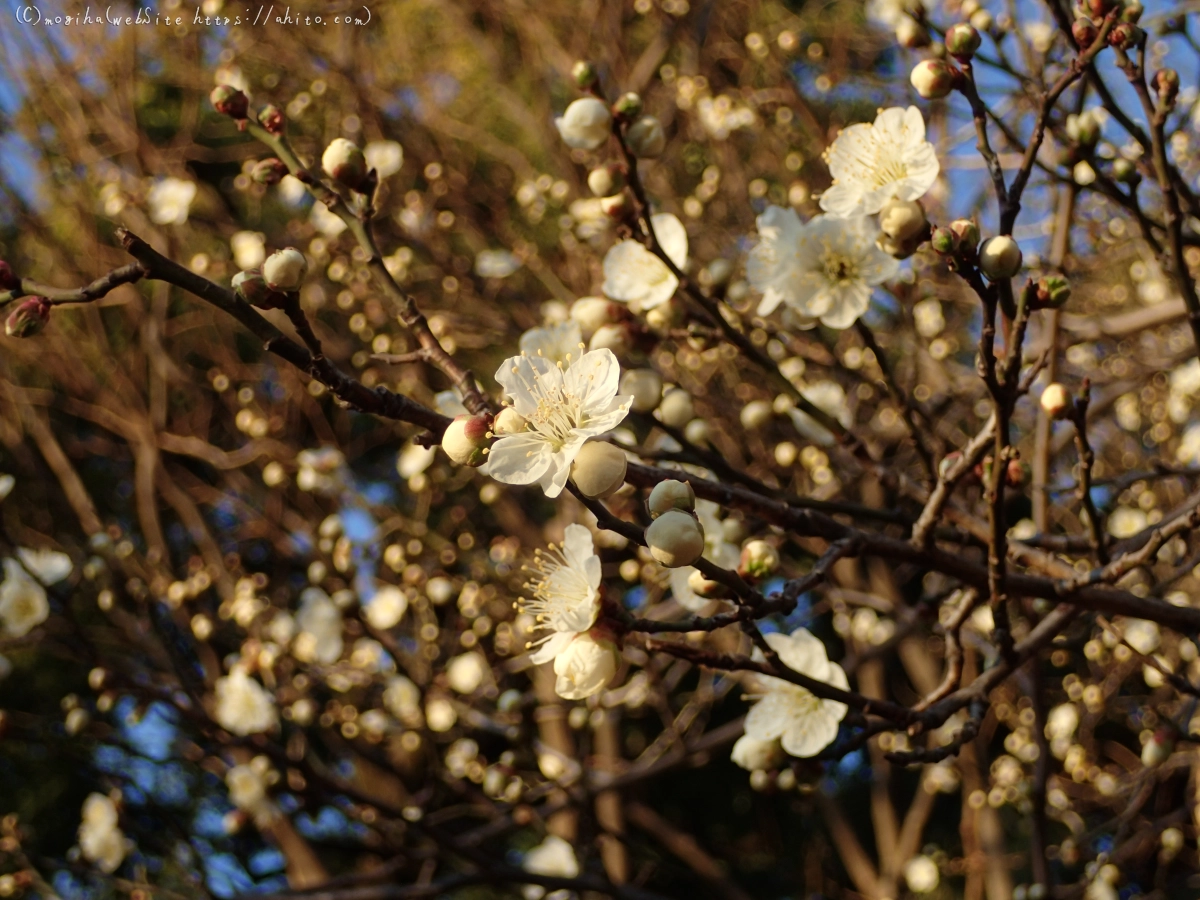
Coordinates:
(271,118)
(933,78)
(962,40)
(269,171)
(966,233)
(1166,83)
(615,207)
(1124,36)
(344,162)
(229,101)
(466,439)
(8,279)
(29,318)
(1018,473)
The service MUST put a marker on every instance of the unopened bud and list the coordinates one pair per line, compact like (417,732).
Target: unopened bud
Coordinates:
(1158,749)
(1083,128)
(1100,8)
(1084,33)
(675,539)
(1166,82)
(981,20)
(756,414)
(1055,400)
(584,74)
(1000,257)
(8,279)
(671,494)
(948,462)
(911,34)
(1125,171)
(599,469)
(966,234)
(29,318)
(1132,11)
(605,181)
(628,105)
(509,421)
(962,40)
(344,162)
(646,138)
(252,287)
(615,207)
(676,409)
(644,386)
(943,241)
(1052,291)
(933,78)
(903,220)
(285,269)
(269,171)
(1124,36)
(466,438)
(229,101)
(1017,473)
(759,559)
(271,118)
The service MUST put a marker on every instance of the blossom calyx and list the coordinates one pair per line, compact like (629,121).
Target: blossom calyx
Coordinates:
(584,74)
(599,469)
(671,495)
(628,105)
(229,101)
(285,269)
(934,78)
(1000,257)
(962,40)
(252,287)
(1052,291)
(343,161)
(8,279)
(759,559)
(271,118)
(1056,402)
(29,318)
(646,138)
(1166,82)
(675,539)
(466,439)
(1084,32)
(269,171)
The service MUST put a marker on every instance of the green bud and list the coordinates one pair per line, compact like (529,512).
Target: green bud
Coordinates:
(584,74)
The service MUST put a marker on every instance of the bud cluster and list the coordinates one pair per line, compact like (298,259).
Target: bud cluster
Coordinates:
(675,537)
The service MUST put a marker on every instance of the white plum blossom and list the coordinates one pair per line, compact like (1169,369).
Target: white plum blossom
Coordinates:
(824,269)
(243,706)
(46,565)
(101,840)
(585,666)
(169,200)
(585,124)
(565,582)
(805,723)
(553,857)
(385,157)
(558,343)
(23,602)
(636,276)
(563,406)
(247,785)
(877,162)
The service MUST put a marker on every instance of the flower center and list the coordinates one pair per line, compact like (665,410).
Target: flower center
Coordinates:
(839,268)
(558,413)
(889,166)
(560,592)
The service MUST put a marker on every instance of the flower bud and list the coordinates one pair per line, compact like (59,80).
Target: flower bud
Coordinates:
(646,138)
(1084,33)
(1172,840)
(1083,129)
(466,438)
(943,241)
(671,495)
(962,41)
(29,317)
(8,279)
(752,754)
(1055,400)
(1000,257)
(756,414)
(1166,82)
(252,287)
(585,124)
(229,101)
(981,20)
(911,34)
(701,586)
(599,469)
(676,409)
(508,421)
(933,78)
(1132,11)
(1124,36)
(697,432)
(1125,171)
(1052,291)
(1017,473)
(344,162)
(966,233)
(285,269)
(903,220)
(604,181)
(1156,751)
(644,386)
(615,207)
(271,118)
(675,539)
(615,337)
(269,171)
(1100,8)
(584,74)
(759,559)
(628,105)
(949,461)
(593,312)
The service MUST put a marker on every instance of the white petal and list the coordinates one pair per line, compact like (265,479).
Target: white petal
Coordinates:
(672,237)
(518,459)
(843,201)
(594,377)
(770,716)
(809,735)
(556,644)
(850,302)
